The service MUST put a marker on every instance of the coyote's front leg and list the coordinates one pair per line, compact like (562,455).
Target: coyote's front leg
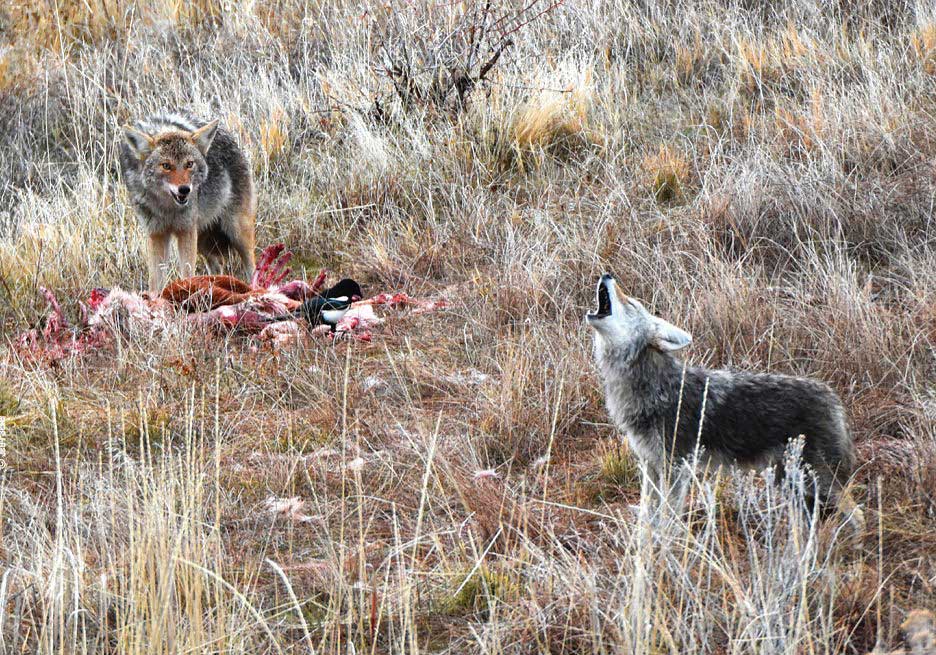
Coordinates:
(157,256)
(188,251)
(663,489)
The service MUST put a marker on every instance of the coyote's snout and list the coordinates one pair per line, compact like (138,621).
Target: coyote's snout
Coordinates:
(625,323)
(188,179)
(749,418)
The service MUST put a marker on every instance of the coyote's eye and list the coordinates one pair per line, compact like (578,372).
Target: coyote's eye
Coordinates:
(166,166)
(189,164)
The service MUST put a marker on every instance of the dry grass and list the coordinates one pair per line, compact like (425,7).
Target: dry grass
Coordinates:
(761,176)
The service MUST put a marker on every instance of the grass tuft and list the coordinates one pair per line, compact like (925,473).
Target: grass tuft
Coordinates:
(619,467)
(667,174)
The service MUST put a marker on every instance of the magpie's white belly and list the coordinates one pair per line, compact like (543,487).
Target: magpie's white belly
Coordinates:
(332,316)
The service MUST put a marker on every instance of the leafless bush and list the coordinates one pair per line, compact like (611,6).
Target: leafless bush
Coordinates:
(437,67)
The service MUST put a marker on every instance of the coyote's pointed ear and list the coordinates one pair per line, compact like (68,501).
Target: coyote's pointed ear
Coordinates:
(667,337)
(140,142)
(203,136)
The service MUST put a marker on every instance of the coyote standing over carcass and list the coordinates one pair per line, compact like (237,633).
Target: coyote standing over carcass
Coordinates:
(188,179)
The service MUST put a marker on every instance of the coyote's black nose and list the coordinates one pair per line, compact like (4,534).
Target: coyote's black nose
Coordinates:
(184,190)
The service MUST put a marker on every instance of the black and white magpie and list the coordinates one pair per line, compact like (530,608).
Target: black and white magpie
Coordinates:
(328,307)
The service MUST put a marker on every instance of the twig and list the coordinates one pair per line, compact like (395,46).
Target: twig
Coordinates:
(548,9)
(486,68)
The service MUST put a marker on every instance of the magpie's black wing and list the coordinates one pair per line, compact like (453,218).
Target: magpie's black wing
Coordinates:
(310,311)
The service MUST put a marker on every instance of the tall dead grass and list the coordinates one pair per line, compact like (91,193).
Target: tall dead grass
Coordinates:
(761,176)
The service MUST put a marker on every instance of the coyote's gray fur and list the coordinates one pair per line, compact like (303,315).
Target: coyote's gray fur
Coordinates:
(188,179)
(749,418)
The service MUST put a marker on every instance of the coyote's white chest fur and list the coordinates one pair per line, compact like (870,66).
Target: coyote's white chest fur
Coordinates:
(623,405)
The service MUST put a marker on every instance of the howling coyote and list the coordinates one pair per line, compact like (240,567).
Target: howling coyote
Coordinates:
(749,418)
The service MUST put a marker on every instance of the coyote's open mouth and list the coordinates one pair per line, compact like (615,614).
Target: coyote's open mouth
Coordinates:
(604,299)
(180,200)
